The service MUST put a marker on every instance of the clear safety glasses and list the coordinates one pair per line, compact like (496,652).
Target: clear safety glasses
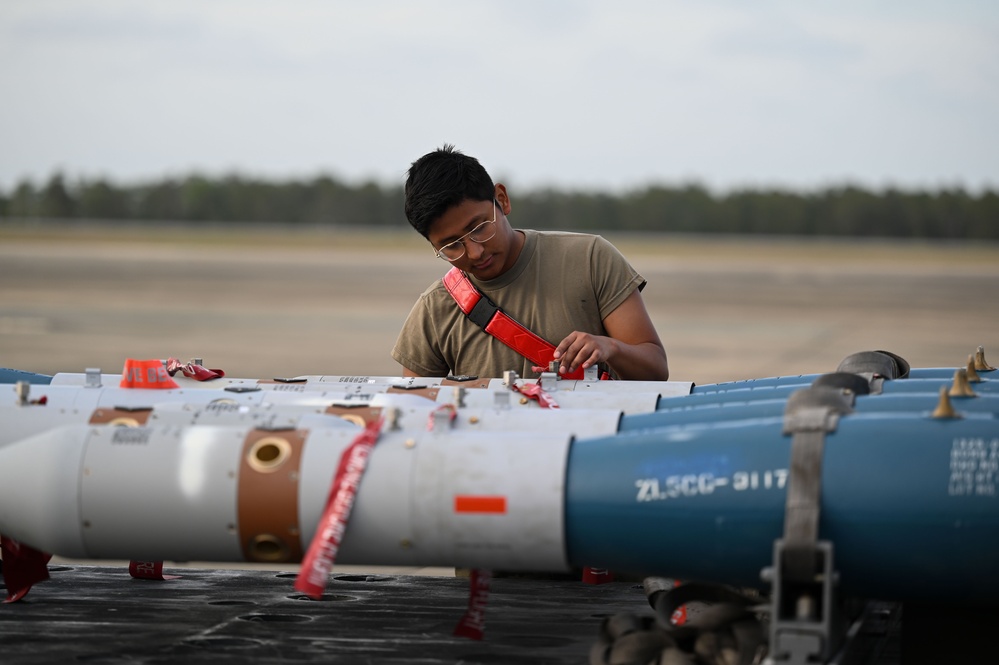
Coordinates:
(455,249)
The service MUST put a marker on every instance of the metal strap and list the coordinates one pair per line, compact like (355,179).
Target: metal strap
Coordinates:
(801,513)
(809,425)
(803,614)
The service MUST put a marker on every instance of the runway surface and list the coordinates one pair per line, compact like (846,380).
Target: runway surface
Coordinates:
(101,615)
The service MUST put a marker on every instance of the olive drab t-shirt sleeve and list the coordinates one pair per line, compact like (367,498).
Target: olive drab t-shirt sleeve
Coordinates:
(614,278)
(418,345)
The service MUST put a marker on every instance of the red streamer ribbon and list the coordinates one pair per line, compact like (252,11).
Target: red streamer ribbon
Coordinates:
(23,567)
(192,371)
(149,570)
(473,624)
(534,391)
(319,559)
(597,575)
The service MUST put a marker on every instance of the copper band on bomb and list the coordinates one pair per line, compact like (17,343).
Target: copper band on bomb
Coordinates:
(120,416)
(360,414)
(267,501)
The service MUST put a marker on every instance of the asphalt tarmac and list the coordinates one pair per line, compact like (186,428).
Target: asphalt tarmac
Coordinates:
(101,615)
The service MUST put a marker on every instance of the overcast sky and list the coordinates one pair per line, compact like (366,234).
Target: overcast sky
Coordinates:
(584,94)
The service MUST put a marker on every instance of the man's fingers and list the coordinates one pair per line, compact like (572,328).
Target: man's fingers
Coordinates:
(565,344)
(584,351)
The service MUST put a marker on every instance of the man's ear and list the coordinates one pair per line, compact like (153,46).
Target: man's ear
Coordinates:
(502,198)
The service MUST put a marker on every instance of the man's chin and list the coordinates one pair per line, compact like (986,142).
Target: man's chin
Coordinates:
(485,270)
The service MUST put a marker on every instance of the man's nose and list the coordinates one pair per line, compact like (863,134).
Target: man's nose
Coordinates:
(473,249)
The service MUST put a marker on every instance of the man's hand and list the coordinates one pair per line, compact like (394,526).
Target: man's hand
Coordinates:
(584,350)
(632,347)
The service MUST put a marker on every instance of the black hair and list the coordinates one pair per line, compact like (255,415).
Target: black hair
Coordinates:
(442,179)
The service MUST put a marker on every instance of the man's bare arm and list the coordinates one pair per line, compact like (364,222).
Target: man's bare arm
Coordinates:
(632,346)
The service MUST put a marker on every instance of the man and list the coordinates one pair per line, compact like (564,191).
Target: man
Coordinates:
(574,290)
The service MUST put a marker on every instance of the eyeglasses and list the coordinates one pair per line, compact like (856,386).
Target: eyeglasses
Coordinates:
(455,249)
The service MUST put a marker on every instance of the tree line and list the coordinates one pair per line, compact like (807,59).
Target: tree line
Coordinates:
(834,211)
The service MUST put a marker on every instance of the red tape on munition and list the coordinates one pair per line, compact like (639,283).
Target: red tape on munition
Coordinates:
(319,559)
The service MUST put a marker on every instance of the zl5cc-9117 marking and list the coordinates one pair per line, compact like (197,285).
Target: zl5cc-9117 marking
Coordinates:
(700,484)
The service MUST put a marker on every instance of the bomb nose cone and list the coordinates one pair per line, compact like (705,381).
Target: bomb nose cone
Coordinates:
(40,488)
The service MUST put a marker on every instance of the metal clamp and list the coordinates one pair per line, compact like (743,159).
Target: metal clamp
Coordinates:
(806,624)
(805,618)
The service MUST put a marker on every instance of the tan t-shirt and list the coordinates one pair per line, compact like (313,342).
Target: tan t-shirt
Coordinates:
(561,282)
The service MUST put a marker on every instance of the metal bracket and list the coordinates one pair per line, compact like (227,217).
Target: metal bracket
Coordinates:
(501,399)
(443,418)
(591,373)
(806,623)
(23,390)
(549,380)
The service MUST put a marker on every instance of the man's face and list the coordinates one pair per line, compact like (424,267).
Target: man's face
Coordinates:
(469,219)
